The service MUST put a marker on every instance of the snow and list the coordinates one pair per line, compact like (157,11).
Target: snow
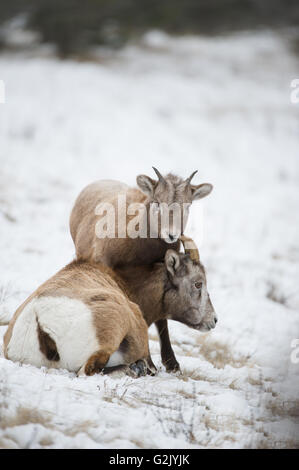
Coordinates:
(219,105)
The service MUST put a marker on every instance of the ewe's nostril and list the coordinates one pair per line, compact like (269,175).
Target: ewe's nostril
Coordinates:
(215,320)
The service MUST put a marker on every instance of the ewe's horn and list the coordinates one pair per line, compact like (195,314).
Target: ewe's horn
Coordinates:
(190,248)
(161,179)
(188,180)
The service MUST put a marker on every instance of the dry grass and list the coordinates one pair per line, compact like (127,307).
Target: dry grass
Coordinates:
(274,295)
(24,416)
(220,354)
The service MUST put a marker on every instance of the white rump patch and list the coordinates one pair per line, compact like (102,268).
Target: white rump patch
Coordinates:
(69,324)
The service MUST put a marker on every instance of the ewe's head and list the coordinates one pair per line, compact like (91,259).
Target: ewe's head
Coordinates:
(170,198)
(186,297)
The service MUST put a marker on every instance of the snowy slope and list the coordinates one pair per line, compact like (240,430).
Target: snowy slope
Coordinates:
(221,106)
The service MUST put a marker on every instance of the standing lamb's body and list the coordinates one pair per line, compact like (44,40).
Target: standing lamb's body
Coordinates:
(124,252)
(112,252)
(80,319)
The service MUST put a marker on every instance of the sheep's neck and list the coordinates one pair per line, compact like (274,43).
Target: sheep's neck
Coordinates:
(145,286)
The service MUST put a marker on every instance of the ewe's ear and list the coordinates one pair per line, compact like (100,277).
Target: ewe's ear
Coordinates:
(200,191)
(146,184)
(172,261)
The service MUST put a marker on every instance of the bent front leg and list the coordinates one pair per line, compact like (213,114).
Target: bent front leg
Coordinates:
(167,353)
(97,362)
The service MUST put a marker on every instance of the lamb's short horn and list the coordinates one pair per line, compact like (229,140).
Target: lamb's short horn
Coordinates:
(188,180)
(190,248)
(161,179)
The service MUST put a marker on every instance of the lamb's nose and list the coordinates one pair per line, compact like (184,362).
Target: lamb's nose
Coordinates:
(173,238)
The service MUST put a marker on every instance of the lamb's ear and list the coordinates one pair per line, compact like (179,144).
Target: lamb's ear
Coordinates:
(201,190)
(172,261)
(146,184)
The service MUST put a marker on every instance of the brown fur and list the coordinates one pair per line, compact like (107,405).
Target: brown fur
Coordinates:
(126,252)
(112,251)
(162,290)
(167,353)
(47,345)
(117,320)
(145,286)
(162,295)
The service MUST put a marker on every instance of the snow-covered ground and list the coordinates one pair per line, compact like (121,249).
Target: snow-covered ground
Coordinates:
(221,106)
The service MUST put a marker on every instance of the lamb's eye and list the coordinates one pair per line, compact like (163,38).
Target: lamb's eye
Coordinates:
(198,285)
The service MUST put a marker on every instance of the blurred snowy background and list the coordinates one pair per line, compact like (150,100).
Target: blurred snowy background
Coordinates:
(127,96)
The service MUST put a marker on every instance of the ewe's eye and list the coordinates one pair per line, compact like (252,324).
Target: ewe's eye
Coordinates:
(198,285)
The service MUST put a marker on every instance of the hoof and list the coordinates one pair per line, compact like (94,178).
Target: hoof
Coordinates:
(151,369)
(172,366)
(138,368)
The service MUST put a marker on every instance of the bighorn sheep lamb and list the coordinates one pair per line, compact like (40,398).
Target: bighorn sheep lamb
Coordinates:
(85,317)
(123,250)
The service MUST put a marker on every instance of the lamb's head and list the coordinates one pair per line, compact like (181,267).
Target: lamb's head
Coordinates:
(169,200)
(186,298)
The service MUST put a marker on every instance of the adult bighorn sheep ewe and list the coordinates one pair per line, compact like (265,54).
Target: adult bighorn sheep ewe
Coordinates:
(85,317)
(123,251)
(80,319)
